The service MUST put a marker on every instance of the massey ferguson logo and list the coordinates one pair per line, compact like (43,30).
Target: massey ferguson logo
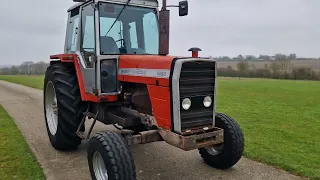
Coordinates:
(124,71)
(139,72)
(157,73)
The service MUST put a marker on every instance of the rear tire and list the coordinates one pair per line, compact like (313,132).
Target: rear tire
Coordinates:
(225,155)
(109,157)
(63,107)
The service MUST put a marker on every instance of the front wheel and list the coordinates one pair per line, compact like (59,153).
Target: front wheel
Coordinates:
(109,157)
(224,156)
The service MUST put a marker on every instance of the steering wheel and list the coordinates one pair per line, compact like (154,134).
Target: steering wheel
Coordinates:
(120,40)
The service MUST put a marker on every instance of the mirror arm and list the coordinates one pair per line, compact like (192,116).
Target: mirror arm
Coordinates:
(164,5)
(173,6)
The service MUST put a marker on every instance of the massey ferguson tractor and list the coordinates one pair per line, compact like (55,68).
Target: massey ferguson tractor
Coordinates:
(116,69)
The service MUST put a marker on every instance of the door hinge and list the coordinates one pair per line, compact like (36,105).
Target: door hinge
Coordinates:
(95,91)
(95,6)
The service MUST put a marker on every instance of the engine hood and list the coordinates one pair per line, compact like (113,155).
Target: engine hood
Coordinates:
(147,69)
(145,61)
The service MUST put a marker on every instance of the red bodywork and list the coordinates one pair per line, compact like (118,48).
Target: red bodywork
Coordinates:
(145,62)
(72,58)
(158,87)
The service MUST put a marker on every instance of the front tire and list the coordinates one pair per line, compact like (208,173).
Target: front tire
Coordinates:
(224,156)
(109,157)
(63,108)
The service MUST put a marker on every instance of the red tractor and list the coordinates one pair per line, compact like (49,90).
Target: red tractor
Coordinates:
(116,69)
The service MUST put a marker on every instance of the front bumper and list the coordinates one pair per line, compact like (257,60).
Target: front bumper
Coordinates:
(194,139)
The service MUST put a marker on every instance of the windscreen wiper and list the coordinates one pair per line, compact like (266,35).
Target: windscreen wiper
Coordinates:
(124,7)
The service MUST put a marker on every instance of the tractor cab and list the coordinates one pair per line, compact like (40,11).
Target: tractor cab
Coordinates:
(101,30)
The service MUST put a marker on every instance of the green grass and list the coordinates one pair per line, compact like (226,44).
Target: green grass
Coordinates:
(30,81)
(280,119)
(16,159)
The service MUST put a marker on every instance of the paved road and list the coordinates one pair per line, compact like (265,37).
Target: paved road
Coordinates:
(153,161)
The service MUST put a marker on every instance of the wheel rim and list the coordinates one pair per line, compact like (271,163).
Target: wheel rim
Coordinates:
(99,167)
(215,150)
(51,108)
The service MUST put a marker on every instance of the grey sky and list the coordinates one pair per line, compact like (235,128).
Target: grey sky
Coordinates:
(32,30)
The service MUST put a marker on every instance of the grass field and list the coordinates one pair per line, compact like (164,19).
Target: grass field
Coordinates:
(16,159)
(280,119)
(30,81)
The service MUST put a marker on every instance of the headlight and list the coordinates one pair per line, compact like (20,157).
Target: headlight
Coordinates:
(186,103)
(207,101)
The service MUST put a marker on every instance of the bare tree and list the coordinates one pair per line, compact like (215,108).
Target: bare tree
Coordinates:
(292,56)
(5,71)
(284,65)
(26,67)
(40,67)
(243,66)
(14,70)
(275,67)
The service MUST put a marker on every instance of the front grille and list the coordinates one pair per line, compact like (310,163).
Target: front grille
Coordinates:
(196,82)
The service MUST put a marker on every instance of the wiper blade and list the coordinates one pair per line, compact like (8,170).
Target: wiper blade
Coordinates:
(124,7)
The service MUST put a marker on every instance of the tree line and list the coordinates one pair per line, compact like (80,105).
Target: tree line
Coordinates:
(277,69)
(262,57)
(26,68)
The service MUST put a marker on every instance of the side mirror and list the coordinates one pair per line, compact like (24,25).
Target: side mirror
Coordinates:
(183,8)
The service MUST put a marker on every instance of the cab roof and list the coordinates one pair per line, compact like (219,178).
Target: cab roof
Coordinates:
(148,3)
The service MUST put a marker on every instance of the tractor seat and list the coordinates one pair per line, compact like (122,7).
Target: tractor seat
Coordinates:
(108,45)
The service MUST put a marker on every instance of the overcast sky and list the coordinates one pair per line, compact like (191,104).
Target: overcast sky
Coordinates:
(32,30)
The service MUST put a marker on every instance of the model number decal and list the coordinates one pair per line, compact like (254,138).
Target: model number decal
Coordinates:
(162,74)
(157,73)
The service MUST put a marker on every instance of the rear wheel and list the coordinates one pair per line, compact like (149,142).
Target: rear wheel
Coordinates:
(63,108)
(109,157)
(225,155)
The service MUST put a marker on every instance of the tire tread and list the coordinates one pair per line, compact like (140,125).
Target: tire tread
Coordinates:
(70,109)
(234,144)
(118,153)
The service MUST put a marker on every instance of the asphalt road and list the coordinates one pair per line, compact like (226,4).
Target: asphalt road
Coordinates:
(153,161)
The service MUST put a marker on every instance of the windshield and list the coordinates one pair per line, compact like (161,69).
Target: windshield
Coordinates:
(135,31)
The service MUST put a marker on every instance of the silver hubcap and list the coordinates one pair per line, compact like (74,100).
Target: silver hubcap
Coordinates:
(215,150)
(99,168)
(51,108)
